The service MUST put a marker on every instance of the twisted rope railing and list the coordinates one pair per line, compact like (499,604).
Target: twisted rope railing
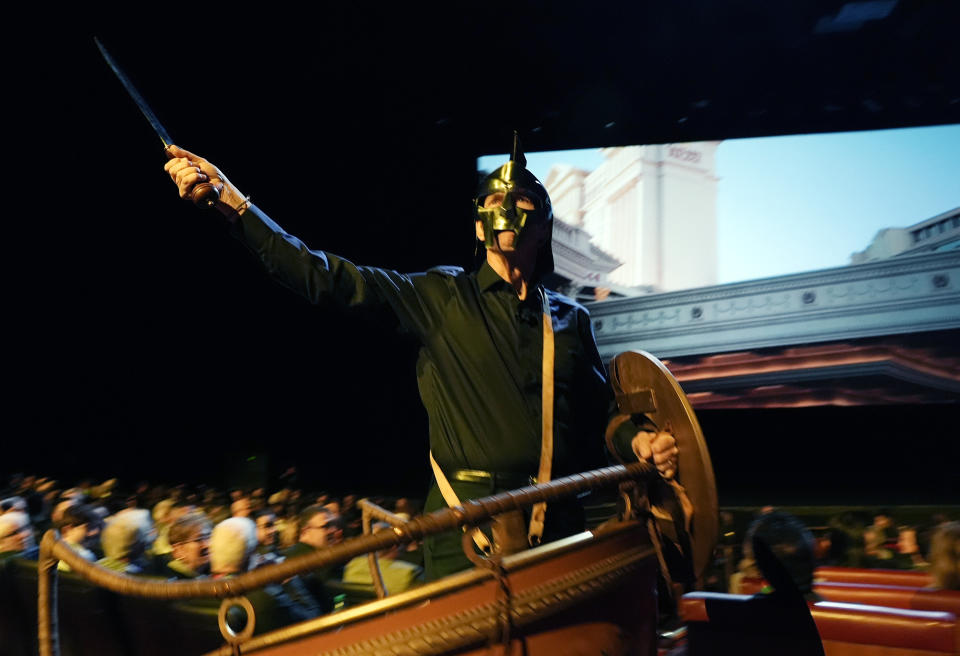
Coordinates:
(470,513)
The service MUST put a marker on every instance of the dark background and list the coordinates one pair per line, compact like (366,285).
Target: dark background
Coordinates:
(145,343)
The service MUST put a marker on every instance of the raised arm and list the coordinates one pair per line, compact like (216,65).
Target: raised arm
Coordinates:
(413,300)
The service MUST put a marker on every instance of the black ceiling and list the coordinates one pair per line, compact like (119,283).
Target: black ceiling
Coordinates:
(676,71)
(566,74)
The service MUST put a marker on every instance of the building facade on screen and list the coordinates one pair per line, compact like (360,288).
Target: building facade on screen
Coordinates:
(653,208)
(938,233)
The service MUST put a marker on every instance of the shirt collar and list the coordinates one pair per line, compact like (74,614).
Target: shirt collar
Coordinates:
(487,277)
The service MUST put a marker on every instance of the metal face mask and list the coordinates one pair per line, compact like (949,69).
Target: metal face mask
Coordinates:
(513,181)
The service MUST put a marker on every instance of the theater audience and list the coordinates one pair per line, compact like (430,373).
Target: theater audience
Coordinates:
(319,528)
(412,552)
(125,540)
(258,500)
(13,503)
(351,516)
(880,540)
(74,524)
(16,536)
(288,525)
(232,544)
(240,507)
(790,541)
(215,507)
(184,519)
(190,547)
(908,549)
(232,547)
(267,552)
(847,543)
(945,556)
(162,521)
(398,575)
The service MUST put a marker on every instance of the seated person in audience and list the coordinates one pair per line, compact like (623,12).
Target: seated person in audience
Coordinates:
(57,513)
(13,503)
(778,620)
(846,540)
(288,525)
(267,552)
(232,547)
(216,507)
(412,552)
(398,575)
(351,516)
(945,557)
(880,540)
(190,547)
(162,522)
(791,542)
(126,539)
(318,529)
(333,505)
(258,500)
(747,574)
(909,549)
(240,507)
(74,525)
(16,536)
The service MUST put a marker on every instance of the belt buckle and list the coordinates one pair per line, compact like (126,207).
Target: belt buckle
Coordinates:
(473,476)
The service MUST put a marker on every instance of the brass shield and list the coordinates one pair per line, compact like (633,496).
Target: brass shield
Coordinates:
(643,385)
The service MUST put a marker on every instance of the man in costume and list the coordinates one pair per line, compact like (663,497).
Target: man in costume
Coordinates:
(508,371)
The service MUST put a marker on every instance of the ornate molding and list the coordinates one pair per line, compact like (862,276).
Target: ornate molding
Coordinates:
(903,295)
(478,624)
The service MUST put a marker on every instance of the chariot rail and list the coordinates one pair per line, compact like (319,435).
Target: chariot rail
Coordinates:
(470,513)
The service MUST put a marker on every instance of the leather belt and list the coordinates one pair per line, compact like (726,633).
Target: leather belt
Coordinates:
(496,480)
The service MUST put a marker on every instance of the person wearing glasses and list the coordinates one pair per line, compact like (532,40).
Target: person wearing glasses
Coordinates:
(190,543)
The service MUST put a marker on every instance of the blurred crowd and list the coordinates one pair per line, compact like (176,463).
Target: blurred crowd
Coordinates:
(850,539)
(178,532)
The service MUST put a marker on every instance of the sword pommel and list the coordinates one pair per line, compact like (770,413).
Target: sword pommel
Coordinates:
(204,195)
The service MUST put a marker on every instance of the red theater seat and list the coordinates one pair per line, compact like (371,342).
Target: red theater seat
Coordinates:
(892,596)
(875,576)
(845,629)
(868,630)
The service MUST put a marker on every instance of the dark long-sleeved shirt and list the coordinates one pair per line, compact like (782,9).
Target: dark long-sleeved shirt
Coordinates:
(480,361)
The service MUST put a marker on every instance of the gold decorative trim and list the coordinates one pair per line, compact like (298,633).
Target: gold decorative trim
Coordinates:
(479,623)
(447,585)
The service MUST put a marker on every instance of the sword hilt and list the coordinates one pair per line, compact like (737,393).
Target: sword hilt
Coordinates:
(203,195)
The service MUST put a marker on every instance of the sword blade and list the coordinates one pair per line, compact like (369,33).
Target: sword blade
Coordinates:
(135,95)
